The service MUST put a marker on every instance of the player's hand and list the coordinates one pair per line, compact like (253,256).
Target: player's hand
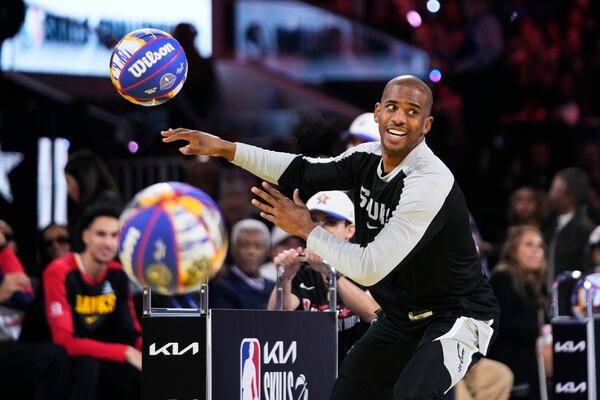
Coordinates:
(14,282)
(291,216)
(200,143)
(134,357)
(289,259)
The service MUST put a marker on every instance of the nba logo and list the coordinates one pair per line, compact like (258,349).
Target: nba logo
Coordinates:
(250,369)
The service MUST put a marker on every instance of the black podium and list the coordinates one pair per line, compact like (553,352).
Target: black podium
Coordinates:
(238,354)
(272,355)
(574,343)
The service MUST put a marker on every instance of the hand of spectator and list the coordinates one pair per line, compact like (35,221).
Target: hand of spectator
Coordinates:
(14,282)
(134,357)
(291,216)
(200,143)
(316,262)
(289,259)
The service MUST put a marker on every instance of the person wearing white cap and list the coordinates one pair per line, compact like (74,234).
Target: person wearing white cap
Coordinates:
(362,129)
(305,287)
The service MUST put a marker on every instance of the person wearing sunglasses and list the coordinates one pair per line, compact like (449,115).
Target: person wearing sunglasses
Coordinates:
(55,242)
(305,285)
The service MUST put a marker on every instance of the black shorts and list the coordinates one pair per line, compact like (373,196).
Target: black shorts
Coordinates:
(412,359)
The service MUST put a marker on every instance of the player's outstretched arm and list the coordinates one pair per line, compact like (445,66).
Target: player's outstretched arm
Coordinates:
(200,143)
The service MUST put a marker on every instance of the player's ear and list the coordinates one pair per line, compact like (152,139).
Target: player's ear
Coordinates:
(376,111)
(427,125)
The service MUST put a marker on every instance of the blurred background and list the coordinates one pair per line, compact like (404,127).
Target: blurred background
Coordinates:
(515,86)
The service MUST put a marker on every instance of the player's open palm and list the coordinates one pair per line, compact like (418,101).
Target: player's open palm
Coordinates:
(199,143)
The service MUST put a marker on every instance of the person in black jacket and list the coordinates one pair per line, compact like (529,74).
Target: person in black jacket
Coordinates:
(519,282)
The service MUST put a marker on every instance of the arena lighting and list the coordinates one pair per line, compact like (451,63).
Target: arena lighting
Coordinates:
(435,75)
(133,146)
(433,6)
(413,18)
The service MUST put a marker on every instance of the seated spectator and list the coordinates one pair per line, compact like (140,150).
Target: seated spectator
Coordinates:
(9,235)
(242,287)
(54,243)
(362,129)
(305,287)
(519,282)
(90,313)
(38,371)
(280,241)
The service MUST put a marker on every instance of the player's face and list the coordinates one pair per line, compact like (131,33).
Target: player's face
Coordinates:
(530,251)
(403,120)
(101,239)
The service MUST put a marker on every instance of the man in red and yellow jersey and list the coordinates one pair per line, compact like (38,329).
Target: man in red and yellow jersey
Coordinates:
(90,311)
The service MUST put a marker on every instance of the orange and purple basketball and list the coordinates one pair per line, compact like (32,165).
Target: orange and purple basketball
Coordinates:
(148,67)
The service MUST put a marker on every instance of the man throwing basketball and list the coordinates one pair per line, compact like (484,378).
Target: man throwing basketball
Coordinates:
(413,247)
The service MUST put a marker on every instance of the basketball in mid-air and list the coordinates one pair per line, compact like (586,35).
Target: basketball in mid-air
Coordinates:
(148,67)
(172,238)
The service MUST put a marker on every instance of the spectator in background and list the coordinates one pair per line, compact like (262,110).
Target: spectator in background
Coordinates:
(280,241)
(363,129)
(54,243)
(305,287)
(90,312)
(527,206)
(88,183)
(519,282)
(242,287)
(568,232)
(37,371)
(9,235)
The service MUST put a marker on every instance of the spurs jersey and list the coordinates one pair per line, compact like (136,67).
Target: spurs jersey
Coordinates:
(413,247)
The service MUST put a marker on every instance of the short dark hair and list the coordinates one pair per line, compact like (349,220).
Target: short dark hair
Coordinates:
(577,183)
(91,213)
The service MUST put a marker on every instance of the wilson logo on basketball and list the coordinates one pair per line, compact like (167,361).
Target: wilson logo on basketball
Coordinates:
(138,68)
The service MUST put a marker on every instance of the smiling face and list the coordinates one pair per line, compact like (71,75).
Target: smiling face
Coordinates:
(403,117)
(101,239)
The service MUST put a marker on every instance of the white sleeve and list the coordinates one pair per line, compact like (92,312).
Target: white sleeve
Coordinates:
(422,198)
(265,164)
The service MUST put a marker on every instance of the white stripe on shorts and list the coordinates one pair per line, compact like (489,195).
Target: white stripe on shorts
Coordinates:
(466,337)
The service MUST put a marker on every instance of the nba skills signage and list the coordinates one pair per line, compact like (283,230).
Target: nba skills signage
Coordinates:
(270,355)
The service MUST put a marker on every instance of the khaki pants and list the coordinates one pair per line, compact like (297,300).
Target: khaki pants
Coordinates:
(487,380)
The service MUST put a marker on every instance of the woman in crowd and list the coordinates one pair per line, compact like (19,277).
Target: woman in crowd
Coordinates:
(519,282)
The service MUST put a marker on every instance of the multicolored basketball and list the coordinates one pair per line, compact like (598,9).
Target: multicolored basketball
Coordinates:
(148,67)
(579,298)
(172,238)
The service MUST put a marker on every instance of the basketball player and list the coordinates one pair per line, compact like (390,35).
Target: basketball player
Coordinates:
(90,312)
(413,246)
